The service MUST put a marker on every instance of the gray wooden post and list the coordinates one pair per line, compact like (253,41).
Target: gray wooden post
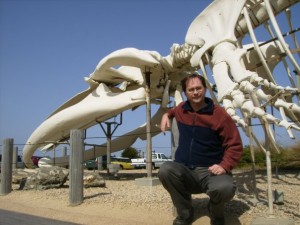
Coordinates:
(76,168)
(6,166)
(15,158)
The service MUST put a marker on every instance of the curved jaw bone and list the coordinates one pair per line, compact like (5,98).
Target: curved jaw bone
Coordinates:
(117,144)
(101,104)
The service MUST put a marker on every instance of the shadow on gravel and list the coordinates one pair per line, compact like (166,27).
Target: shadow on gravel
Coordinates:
(233,210)
(127,174)
(95,195)
(15,218)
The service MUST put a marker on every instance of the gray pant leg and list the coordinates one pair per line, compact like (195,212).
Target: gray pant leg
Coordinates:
(220,189)
(179,181)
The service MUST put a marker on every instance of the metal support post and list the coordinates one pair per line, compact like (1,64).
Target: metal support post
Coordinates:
(15,158)
(252,157)
(148,126)
(109,132)
(149,180)
(269,178)
(64,151)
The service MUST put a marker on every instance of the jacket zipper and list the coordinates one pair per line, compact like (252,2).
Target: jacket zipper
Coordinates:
(192,141)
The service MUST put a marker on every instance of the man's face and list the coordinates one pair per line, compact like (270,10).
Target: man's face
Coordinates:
(195,91)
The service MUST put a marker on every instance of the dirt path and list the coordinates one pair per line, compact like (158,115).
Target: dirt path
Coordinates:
(14,213)
(122,202)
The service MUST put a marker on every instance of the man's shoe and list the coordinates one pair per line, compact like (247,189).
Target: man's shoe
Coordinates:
(217,221)
(181,220)
(213,219)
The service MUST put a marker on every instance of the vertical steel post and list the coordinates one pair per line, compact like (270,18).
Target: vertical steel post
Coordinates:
(109,134)
(269,177)
(64,151)
(252,157)
(54,154)
(108,143)
(297,79)
(100,163)
(148,125)
(15,158)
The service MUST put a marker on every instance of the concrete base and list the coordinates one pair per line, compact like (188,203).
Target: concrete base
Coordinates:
(147,181)
(272,221)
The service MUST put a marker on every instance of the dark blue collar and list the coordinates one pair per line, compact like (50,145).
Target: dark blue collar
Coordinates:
(208,109)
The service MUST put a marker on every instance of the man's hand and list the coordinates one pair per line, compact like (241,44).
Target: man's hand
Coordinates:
(165,123)
(216,169)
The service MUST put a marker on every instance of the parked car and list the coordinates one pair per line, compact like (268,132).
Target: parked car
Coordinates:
(125,163)
(91,164)
(157,160)
(20,163)
(35,160)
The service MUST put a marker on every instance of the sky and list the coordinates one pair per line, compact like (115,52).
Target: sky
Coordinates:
(47,47)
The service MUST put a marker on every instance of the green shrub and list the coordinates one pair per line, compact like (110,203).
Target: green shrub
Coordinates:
(288,158)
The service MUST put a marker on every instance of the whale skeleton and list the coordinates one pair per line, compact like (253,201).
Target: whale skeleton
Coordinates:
(243,75)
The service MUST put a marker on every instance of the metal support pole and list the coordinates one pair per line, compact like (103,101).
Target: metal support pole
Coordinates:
(108,143)
(297,79)
(148,126)
(252,157)
(269,176)
(76,167)
(64,151)
(6,166)
(15,158)
(109,134)
(100,162)
(54,154)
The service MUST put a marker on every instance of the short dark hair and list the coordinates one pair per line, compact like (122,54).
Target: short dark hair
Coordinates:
(192,76)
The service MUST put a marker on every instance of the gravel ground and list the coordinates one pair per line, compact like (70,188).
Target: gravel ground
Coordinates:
(123,202)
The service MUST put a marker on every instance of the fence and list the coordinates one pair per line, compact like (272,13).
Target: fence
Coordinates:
(76,167)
